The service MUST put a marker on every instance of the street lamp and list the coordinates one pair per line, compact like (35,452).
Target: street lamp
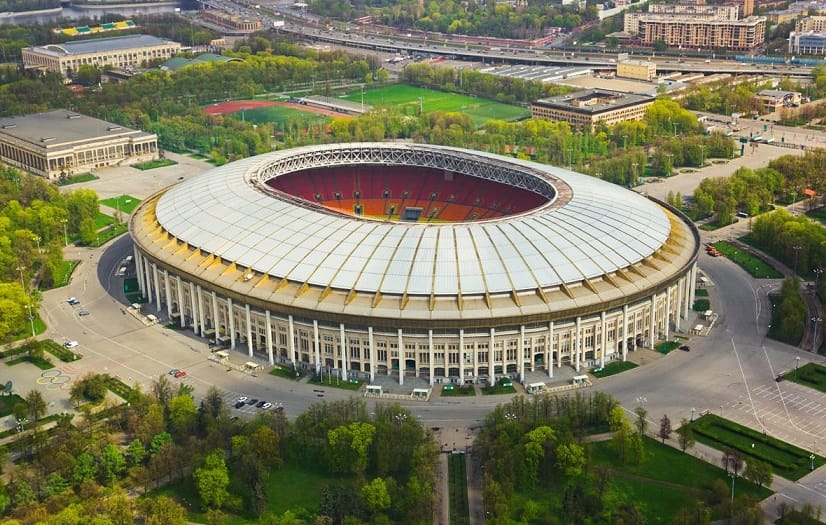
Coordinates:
(796,249)
(36,238)
(815,321)
(732,475)
(817,271)
(22,283)
(65,236)
(796,365)
(812,462)
(702,154)
(692,414)
(30,307)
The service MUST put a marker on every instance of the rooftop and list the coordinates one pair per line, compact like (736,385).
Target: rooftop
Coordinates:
(594,100)
(59,127)
(97,45)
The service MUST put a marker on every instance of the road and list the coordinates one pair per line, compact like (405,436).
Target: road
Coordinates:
(730,371)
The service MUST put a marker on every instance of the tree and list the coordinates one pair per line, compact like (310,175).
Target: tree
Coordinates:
(163,511)
(36,404)
(349,445)
(375,496)
(642,422)
(212,480)
(758,472)
(686,438)
(85,468)
(162,389)
(183,415)
(112,463)
(665,428)
(135,453)
(570,459)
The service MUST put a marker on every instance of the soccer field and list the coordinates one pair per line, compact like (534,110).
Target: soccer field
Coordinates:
(280,115)
(478,109)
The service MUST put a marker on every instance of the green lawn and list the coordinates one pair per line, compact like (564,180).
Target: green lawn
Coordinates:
(59,351)
(614,367)
(110,233)
(753,265)
(65,272)
(7,404)
(785,459)
(700,292)
(152,164)
(290,487)
(407,97)
(666,346)
(282,116)
(502,386)
(812,375)
(457,486)
(102,220)
(126,204)
(458,391)
(83,177)
(701,305)
(39,362)
(286,373)
(667,480)
(336,382)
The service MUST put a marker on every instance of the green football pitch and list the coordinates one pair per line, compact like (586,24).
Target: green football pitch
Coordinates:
(282,114)
(402,95)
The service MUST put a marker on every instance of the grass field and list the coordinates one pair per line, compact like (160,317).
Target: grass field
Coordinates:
(614,367)
(66,269)
(811,375)
(126,203)
(282,115)
(402,95)
(152,164)
(290,487)
(754,266)
(458,391)
(785,459)
(457,486)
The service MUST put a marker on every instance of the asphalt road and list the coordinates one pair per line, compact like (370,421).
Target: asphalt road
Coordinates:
(731,370)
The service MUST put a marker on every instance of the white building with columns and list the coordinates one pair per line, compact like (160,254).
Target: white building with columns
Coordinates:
(284,256)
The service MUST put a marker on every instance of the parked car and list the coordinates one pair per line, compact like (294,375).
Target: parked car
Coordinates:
(70,344)
(242,399)
(252,401)
(267,406)
(83,313)
(261,404)
(73,301)
(685,348)
(180,373)
(173,371)
(239,404)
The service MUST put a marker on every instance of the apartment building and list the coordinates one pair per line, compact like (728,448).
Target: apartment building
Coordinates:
(691,32)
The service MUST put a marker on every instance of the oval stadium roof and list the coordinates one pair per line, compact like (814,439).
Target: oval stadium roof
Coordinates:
(597,229)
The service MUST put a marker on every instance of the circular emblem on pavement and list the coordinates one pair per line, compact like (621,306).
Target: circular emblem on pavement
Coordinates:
(53,379)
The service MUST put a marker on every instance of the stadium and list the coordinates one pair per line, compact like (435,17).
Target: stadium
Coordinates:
(414,260)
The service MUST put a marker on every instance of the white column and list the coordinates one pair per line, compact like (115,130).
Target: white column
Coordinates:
(139,272)
(667,312)
(343,372)
(430,353)
(249,329)
(692,280)
(577,342)
(372,354)
(492,356)
(269,337)
(291,340)
(194,302)
(461,356)
(157,287)
(147,277)
(231,316)
(549,350)
(403,360)
(201,312)
(316,346)
(679,313)
(625,333)
(179,286)
(215,315)
(520,349)
(651,318)
(167,293)
(603,341)
(687,295)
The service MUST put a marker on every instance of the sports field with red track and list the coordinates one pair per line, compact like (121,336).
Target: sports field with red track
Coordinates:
(235,106)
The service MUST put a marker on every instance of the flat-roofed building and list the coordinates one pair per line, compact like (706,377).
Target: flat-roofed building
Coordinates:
(807,43)
(631,21)
(231,21)
(774,99)
(63,141)
(120,52)
(688,31)
(637,69)
(588,108)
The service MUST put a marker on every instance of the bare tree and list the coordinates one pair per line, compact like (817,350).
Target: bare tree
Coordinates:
(665,428)
(36,404)
(642,423)
(686,434)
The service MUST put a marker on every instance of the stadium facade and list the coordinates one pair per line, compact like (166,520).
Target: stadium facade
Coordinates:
(415,260)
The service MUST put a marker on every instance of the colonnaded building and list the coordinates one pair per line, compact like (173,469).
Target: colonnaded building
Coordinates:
(415,260)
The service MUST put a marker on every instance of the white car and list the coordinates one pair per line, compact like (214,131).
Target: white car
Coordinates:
(241,399)
(70,344)
(72,301)
(266,406)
